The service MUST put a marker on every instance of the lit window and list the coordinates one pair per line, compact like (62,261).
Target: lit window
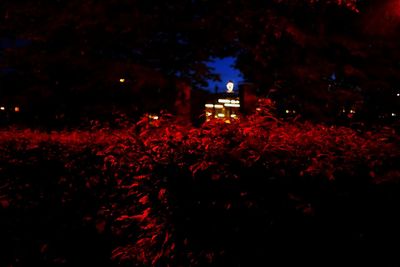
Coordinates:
(232,105)
(218,106)
(221,115)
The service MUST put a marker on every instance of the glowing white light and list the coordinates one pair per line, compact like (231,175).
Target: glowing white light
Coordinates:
(287,111)
(154,117)
(221,115)
(16,109)
(233,115)
(398,94)
(235,101)
(223,101)
(208,113)
(2,108)
(122,80)
(209,105)
(352,111)
(218,106)
(232,105)
(294,111)
(393,114)
(229,86)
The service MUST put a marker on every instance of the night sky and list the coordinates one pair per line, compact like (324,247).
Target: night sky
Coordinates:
(224,67)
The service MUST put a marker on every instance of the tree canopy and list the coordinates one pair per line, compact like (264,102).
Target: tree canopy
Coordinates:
(86,46)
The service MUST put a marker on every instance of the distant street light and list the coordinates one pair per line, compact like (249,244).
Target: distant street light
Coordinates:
(122,80)
(229,86)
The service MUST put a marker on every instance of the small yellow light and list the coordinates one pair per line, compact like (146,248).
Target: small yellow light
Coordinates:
(233,115)
(223,101)
(122,80)
(218,106)
(287,111)
(16,109)
(352,111)
(208,113)
(221,115)
(209,105)
(2,108)
(153,117)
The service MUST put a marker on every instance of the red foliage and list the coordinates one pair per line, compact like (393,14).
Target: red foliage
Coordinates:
(143,159)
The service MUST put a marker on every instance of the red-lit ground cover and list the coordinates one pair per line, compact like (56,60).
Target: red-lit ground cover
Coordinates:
(164,194)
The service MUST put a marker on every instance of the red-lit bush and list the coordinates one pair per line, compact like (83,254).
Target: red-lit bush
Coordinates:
(174,194)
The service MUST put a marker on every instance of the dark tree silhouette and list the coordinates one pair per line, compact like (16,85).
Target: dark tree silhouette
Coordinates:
(79,50)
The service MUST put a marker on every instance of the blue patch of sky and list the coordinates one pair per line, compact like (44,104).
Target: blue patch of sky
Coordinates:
(225,68)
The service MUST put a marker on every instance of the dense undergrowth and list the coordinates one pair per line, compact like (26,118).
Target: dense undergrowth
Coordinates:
(161,193)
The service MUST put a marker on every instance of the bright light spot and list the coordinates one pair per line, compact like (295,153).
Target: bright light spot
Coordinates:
(287,111)
(154,117)
(352,111)
(223,101)
(343,110)
(235,101)
(209,105)
(258,109)
(232,105)
(393,114)
(16,109)
(398,94)
(221,115)
(294,111)
(208,113)
(122,80)
(229,86)
(218,106)
(233,115)
(2,108)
